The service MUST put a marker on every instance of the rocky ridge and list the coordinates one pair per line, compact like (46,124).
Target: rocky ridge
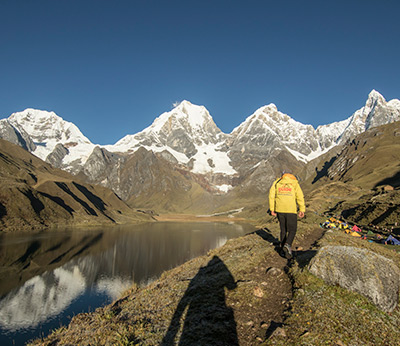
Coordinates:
(35,195)
(186,140)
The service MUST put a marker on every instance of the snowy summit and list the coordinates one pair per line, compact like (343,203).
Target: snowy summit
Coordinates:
(47,129)
(189,133)
(188,136)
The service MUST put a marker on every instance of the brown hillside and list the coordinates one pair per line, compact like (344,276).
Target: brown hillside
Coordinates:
(251,193)
(161,186)
(370,160)
(33,195)
(360,183)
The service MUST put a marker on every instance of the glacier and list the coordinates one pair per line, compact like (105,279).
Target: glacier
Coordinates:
(191,137)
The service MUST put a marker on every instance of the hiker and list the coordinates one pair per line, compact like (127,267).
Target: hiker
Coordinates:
(284,197)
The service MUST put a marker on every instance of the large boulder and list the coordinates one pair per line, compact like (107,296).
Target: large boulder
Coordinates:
(359,270)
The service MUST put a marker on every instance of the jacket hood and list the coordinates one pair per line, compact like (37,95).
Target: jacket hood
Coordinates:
(289,176)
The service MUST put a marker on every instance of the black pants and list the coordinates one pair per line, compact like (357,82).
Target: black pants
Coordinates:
(288,224)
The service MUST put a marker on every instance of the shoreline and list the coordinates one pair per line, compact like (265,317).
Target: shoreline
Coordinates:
(243,293)
(199,218)
(244,280)
(225,289)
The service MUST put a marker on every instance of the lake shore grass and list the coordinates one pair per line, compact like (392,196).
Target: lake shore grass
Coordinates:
(198,218)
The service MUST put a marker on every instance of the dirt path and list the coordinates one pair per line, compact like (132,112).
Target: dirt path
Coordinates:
(257,321)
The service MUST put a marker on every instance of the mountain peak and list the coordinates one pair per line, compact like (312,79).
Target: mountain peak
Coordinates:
(47,129)
(271,106)
(43,125)
(187,132)
(184,103)
(195,115)
(34,115)
(185,106)
(375,96)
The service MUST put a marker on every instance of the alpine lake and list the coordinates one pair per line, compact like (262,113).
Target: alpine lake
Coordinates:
(47,278)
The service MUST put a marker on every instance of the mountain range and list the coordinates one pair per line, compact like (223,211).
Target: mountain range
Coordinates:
(184,154)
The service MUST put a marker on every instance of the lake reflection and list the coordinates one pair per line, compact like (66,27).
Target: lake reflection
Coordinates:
(47,277)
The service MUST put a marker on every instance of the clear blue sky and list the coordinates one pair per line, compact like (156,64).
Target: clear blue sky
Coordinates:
(111,67)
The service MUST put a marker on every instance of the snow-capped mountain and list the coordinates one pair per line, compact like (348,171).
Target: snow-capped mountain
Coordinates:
(189,134)
(52,136)
(187,137)
(267,122)
(268,131)
(376,112)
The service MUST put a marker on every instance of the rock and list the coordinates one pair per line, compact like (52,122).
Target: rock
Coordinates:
(340,343)
(16,134)
(258,292)
(279,332)
(274,271)
(359,270)
(102,165)
(57,155)
(388,188)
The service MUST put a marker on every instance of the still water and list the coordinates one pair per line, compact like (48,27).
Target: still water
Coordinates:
(47,278)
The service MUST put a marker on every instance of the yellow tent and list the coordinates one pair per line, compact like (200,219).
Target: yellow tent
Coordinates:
(355,234)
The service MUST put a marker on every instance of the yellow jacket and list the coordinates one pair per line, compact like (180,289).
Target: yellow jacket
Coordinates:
(285,194)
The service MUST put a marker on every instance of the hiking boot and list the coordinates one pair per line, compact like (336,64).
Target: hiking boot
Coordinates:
(287,251)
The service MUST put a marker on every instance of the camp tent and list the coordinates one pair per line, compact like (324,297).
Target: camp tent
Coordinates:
(392,240)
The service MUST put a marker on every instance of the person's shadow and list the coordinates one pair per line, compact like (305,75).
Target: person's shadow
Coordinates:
(208,320)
